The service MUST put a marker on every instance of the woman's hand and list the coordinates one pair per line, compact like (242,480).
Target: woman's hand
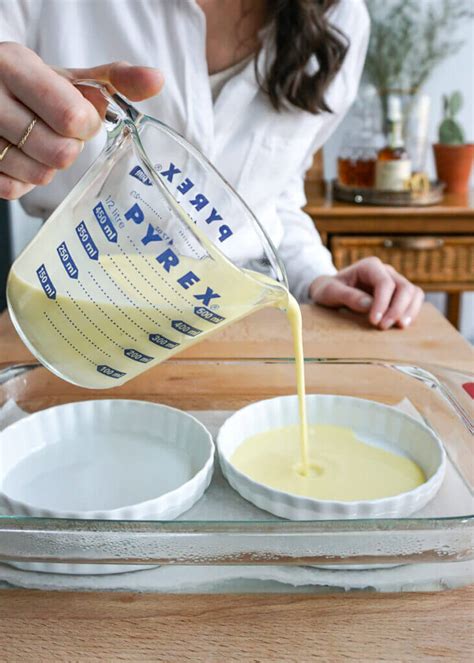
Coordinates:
(370,286)
(65,118)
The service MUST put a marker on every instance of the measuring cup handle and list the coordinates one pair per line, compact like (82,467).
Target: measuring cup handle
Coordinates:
(118,108)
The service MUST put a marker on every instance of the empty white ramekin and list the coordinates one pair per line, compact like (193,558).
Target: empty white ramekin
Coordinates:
(105,459)
(372,422)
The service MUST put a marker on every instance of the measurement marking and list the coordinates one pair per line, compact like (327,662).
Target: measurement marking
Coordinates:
(181,233)
(82,312)
(108,316)
(152,286)
(155,271)
(140,310)
(152,208)
(97,347)
(66,340)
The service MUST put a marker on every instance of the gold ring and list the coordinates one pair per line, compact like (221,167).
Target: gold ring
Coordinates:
(29,129)
(3,153)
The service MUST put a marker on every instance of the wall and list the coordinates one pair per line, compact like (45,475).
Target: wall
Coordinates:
(455,73)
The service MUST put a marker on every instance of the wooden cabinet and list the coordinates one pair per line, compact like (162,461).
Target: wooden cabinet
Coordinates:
(431,246)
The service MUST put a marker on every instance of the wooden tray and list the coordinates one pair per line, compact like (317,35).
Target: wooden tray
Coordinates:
(366,196)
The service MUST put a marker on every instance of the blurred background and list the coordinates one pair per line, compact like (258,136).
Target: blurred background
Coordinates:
(431,40)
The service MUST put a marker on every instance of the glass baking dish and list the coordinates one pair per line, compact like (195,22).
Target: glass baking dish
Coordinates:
(441,535)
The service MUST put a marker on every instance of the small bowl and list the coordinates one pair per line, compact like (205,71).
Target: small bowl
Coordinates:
(372,422)
(105,459)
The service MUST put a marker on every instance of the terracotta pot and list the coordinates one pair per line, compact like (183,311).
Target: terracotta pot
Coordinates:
(453,165)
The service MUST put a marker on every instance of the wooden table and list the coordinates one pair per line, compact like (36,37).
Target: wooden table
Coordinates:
(431,246)
(51,626)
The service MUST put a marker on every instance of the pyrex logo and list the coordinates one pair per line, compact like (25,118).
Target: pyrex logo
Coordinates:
(169,261)
(139,175)
(199,200)
(186,186)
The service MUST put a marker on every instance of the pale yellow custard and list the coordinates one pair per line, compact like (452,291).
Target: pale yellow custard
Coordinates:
(293,313)
(341,467)
(127,314)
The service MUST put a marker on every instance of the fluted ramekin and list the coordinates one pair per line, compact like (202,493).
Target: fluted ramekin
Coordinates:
(374,423)
(104,459)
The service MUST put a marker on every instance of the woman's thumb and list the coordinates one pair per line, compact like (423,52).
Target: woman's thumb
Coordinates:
(336,294)
(134,82)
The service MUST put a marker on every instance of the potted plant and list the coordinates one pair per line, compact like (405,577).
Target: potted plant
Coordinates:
(408,40)
(453,156)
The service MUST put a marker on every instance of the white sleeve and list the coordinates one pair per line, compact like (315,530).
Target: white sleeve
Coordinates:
(18,21)
(301,249)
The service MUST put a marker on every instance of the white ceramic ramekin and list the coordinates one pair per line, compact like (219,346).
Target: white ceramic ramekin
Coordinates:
(372,422)
(105,459)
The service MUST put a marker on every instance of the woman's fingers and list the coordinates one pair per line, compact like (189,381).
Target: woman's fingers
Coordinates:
(21,167)
(413,309)
(395,301)
(11,189)
(64,116)
(43,145)
(373,274)
(401,300)
(406,302)
(47,94)
(334,293)
(134,82)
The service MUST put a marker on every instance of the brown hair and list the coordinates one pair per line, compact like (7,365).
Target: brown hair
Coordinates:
(301,30)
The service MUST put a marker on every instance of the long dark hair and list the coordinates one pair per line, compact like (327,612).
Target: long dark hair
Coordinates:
(302,30)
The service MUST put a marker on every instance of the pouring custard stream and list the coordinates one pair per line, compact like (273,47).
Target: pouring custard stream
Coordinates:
(293,313)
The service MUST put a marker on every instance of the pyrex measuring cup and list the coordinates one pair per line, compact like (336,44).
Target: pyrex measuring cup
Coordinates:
(151,251)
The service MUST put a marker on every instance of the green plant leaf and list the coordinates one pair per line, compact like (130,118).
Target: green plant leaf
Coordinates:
(450,133)
(446,105)
(456,103)
(409,38)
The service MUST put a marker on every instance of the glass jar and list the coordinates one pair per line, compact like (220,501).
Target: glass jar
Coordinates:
(358,152)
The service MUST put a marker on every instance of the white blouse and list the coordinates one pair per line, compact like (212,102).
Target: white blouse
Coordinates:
(263,153)
(219,79)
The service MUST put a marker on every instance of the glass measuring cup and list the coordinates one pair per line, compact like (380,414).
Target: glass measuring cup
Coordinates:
(150,252)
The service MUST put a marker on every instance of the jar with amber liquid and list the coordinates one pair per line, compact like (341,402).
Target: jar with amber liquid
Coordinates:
(393,167)
(358,152)
(356,167)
